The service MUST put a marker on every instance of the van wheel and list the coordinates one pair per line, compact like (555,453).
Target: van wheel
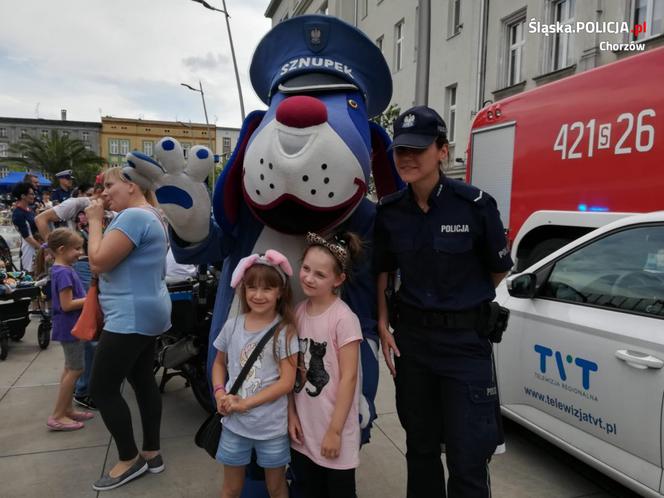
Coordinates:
(540,251)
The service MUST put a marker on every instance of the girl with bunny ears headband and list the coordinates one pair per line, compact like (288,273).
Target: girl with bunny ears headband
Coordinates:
(257,416)
(269,271)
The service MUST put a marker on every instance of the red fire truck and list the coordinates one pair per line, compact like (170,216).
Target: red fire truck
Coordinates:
(572,155)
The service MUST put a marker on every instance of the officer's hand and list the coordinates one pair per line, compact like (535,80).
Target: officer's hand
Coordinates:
(389,346)
(178,185)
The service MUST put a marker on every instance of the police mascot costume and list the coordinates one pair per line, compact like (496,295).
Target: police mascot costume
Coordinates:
(302,165)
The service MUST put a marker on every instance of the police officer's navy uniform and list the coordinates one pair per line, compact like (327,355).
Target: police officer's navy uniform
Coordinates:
(445,383)
(59,194)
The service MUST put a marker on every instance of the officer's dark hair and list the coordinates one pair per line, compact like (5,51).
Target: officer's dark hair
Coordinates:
(441,140)
(21,189)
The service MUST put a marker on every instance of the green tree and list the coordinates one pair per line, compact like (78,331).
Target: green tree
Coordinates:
(55,153)
(387,117)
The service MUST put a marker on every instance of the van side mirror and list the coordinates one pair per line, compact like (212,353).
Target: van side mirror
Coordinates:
(523,285)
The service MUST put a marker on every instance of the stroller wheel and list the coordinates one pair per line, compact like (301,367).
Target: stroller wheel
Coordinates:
(44,334)
(4,346)
(17,334)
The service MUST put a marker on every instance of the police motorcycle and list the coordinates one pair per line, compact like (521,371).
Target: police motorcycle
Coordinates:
(182,350)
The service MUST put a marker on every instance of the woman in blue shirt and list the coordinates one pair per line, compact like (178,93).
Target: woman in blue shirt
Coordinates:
(130,260)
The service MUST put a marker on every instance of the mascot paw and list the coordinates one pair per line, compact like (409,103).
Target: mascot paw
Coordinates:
(178,185)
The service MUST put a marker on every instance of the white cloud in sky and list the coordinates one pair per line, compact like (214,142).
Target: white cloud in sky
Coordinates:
(127,58)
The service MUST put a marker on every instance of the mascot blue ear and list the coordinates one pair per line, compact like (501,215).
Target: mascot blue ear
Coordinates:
(384,171)
(227,197)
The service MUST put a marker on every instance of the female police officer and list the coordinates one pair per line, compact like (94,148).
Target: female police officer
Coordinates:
(447,241)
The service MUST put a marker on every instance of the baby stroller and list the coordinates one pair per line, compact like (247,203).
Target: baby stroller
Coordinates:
(15,317)
(182,351)
(15,303)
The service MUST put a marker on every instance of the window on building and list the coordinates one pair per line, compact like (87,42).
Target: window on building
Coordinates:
(364,8)
(454,17)
(451,103)
(562,46)
(44,134)
(4,172)
(379,42)
(516,36)
(113,146)
(65,134)
(398,45)
(225,145)
(4,150)
(148,147)
(24,133)
(650,12)
(86,136)
(124,147)
(3,132)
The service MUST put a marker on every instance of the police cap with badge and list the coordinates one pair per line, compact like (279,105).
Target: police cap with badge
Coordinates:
(66,174)
(318,53)
(417,128)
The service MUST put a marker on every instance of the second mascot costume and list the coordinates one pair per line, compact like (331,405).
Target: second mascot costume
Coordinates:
(302,165)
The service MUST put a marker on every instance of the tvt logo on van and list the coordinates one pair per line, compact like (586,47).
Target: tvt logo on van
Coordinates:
(560,360)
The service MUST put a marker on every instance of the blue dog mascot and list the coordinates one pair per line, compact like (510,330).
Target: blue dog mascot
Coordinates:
(302,165)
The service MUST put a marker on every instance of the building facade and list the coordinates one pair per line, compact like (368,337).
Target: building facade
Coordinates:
(12,130)
(226,142)
(480,51)
(119,136)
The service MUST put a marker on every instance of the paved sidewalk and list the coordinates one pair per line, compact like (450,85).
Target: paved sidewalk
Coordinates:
(36,462)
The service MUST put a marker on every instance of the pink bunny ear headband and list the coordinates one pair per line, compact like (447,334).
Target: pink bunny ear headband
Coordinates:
(271,258)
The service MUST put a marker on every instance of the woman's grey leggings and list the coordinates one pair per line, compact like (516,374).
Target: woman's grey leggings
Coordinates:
(131,357)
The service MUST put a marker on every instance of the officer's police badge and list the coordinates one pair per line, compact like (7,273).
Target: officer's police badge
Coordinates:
(316,35)
(409,121)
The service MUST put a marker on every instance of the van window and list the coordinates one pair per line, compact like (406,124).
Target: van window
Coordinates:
(622,271)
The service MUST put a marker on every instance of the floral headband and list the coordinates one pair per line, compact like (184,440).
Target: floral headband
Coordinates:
(271,258)
(336,247)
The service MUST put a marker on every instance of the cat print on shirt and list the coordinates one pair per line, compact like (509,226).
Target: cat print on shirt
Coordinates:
(316,374)
(301,373)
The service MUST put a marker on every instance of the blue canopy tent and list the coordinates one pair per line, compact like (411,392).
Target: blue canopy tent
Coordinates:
(14,177)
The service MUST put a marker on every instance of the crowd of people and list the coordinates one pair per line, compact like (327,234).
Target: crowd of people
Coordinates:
(298,404)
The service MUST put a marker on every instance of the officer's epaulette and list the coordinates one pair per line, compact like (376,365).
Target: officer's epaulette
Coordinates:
(469,192)
(392,198)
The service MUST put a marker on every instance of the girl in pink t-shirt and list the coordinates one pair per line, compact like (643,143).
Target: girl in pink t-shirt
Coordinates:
(323,411)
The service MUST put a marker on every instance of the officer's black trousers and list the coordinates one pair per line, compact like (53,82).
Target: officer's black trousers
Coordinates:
(445,393)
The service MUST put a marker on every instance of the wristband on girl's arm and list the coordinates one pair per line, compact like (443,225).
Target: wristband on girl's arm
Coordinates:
(219,387)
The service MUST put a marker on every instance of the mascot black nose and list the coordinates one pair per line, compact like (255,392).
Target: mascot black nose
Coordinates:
(301,111)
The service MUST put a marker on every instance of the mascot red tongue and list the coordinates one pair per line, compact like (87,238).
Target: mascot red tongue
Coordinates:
(302,165)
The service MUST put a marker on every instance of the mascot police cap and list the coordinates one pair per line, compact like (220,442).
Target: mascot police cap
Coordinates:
(321,44)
